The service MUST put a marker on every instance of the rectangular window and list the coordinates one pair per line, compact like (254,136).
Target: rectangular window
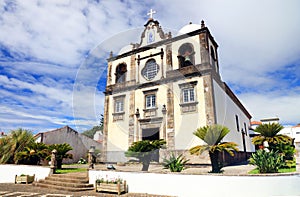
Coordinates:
(237,122)
(119,105)
(119,112)
(188,95)
(150,101)
(245,127)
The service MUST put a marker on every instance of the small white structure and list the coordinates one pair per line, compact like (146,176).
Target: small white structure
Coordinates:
(98,136)
(165,88)
(293,132)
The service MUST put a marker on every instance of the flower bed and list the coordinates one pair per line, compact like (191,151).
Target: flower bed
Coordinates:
(111,185)
(24,179)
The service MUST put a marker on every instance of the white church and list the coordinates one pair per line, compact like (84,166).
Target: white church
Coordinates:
(165,87)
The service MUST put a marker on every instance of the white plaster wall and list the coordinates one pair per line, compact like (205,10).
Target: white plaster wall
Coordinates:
(117,139)
(226,110)
(8,172)
(186,123)
(204,185)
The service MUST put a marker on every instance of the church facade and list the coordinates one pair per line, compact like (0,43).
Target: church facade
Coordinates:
(166,87)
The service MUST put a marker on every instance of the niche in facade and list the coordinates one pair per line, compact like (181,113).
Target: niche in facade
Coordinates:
(186,55)
(121,73)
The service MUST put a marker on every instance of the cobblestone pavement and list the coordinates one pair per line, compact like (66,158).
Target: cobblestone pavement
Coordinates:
(23,190)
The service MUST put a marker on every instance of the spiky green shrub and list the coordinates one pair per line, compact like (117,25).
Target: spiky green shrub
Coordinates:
(144,151)
(175,164)
(267,162)
(212,135)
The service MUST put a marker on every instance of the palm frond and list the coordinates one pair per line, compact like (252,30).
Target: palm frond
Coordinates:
(197,150)
(212,134)
(269,130)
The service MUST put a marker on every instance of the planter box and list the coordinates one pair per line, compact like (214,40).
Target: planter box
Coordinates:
(24,179)
(111,187)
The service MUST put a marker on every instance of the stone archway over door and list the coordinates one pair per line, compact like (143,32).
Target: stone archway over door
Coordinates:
(152,134)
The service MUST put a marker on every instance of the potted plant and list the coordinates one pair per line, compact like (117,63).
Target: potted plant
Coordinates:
(24,178)
(117,185)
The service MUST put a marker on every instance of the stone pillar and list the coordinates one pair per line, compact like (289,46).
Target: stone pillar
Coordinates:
(105,129)
(53,162)
(131,134)
(137,133)
(164,111)
(170,118)
(90,158)
(209,100)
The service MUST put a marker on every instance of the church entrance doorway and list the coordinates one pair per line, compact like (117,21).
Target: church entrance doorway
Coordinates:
(151,134)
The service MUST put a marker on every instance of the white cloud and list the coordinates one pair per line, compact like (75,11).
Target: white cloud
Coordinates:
(43,45)
(271,104)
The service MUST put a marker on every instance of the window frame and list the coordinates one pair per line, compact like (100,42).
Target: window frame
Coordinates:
(150,111)
(118,114)
(152,101)
(188,97)
(151,70)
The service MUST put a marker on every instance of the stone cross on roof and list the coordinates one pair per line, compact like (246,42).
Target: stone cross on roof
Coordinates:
(151,12)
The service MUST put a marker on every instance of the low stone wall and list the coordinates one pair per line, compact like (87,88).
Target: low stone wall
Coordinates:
(224,157)
(204,185)
(238,157)
(8,172)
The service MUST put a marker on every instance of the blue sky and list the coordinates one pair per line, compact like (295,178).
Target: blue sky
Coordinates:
(53,54)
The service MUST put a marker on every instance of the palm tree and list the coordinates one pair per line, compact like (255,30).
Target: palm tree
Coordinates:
(213,135)
(269,133)
(62,152)
(33,154)
(15,142)
(144,151)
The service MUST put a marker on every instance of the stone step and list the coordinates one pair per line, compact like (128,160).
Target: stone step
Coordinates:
(66,184)
(64,188)
(78,175)
(67,179)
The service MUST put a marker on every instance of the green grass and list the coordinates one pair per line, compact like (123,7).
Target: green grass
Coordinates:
(69,170)
(282,170)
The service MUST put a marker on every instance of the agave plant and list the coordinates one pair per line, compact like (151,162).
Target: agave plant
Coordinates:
(175,164)
(213,135)
(267,161)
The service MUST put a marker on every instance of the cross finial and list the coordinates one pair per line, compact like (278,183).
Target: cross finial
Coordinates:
(151,12)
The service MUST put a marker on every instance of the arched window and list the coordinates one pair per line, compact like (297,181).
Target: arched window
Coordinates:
(212,53)
(213,58)
(121,73)
(186,55)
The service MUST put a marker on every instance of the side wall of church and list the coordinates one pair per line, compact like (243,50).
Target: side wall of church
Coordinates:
(229,114)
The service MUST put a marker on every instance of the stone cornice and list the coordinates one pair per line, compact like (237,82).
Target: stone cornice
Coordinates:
(171,76)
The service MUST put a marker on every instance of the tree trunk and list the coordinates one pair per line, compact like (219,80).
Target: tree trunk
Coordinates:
(145,166)
(58,163)
(214,158)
